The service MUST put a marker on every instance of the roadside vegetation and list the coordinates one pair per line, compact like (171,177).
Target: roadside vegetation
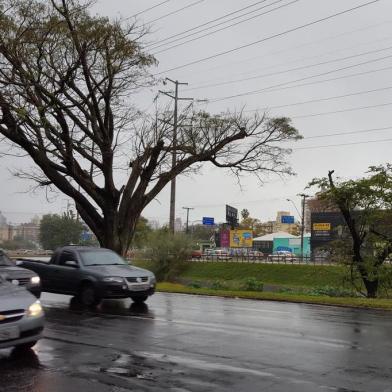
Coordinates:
(319,284)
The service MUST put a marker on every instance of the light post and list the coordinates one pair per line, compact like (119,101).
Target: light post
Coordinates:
(187,217)
(302,217)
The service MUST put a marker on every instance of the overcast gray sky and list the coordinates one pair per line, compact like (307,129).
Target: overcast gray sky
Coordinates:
(342,64)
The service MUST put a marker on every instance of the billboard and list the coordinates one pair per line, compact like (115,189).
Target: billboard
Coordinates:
(288,219)
(241,238)
(231,216)
(225,238)
(322,226)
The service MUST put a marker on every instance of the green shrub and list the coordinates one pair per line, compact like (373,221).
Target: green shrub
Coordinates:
(218,285)
(330,292)
(252,284)
(195,285)
(168,254)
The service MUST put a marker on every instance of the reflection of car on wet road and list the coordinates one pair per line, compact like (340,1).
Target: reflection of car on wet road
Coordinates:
(21,317)
(92,274)
(19,276)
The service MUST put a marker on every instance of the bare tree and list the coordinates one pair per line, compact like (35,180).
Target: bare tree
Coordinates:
(67,84)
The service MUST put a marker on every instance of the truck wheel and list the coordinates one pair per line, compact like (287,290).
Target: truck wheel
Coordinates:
(26,346)
(88,295)
(139,300)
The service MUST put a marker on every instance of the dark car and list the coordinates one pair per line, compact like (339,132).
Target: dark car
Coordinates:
(21,317)
(19,276)
(92,274)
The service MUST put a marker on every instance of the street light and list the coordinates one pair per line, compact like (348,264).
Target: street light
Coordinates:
(299,214)
(302,218)
(303,222)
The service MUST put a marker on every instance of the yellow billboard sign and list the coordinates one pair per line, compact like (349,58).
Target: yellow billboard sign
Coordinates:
(241,238)
(321,226)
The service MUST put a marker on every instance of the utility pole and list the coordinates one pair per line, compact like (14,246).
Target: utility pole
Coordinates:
(187,217)
(303,223)
(174,153)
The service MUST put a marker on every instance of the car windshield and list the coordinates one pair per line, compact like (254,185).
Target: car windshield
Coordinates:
(100,257)
(5,261)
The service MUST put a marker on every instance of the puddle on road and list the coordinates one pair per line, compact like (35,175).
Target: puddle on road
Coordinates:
(129,366)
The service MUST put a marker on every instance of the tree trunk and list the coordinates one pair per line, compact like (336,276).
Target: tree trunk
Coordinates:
(371,287)
(114,237)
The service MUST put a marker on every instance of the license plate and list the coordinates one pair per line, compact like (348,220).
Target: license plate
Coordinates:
(138,287)
(9,333)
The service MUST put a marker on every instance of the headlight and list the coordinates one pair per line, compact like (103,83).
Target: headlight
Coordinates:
(114,279)
(35,280)
(35,310)
(153,280)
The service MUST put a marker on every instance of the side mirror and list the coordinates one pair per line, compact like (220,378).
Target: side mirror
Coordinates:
(71,263)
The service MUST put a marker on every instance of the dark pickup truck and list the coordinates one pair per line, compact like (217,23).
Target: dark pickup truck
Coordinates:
(92,274)
(19,276)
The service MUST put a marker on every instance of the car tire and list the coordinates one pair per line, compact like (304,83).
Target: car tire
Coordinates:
(88,295)
(26,346)
(139,300)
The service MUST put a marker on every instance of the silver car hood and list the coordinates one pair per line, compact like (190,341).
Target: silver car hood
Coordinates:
(16,272)
(13,297)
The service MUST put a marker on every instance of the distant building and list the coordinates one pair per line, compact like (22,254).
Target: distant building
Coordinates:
(282,241)
(27,231)
(280,225)
(292,244)
(3,220)
(6,233)
(315,205)
(265,243)
(178,225)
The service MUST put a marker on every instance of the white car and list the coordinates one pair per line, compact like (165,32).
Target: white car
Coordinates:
(282,255)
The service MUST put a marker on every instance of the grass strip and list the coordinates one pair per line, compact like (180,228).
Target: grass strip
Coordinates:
(366,303)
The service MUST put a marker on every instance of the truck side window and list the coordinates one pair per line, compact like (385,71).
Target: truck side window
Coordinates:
(67,256)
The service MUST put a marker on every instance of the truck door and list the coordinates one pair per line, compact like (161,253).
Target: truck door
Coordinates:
(67,276)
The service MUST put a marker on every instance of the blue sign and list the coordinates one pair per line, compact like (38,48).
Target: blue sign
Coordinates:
(287,219)
(284,249)
(208,221)
(86,236)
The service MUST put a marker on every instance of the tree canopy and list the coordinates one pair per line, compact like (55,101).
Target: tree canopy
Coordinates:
(68,79)
(59,230)
(366,206)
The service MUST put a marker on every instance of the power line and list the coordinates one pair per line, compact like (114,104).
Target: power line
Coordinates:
(207,23)
(344,133)
(344,110)
(342,144)
(276,52)
(328,80)
(148,9)
(289,70)
(322,99)
(252,92)
(223,28)
(175,11)
(270,37)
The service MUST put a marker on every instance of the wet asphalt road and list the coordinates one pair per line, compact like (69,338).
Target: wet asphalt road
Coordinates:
(189,343)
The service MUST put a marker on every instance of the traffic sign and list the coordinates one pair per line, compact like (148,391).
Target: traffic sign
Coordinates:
(208,221)
(287,219)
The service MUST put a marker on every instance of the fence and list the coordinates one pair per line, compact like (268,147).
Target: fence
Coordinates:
(268,259)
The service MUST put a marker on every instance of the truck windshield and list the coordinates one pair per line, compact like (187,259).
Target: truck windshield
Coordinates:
(5,260)
(100,257)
